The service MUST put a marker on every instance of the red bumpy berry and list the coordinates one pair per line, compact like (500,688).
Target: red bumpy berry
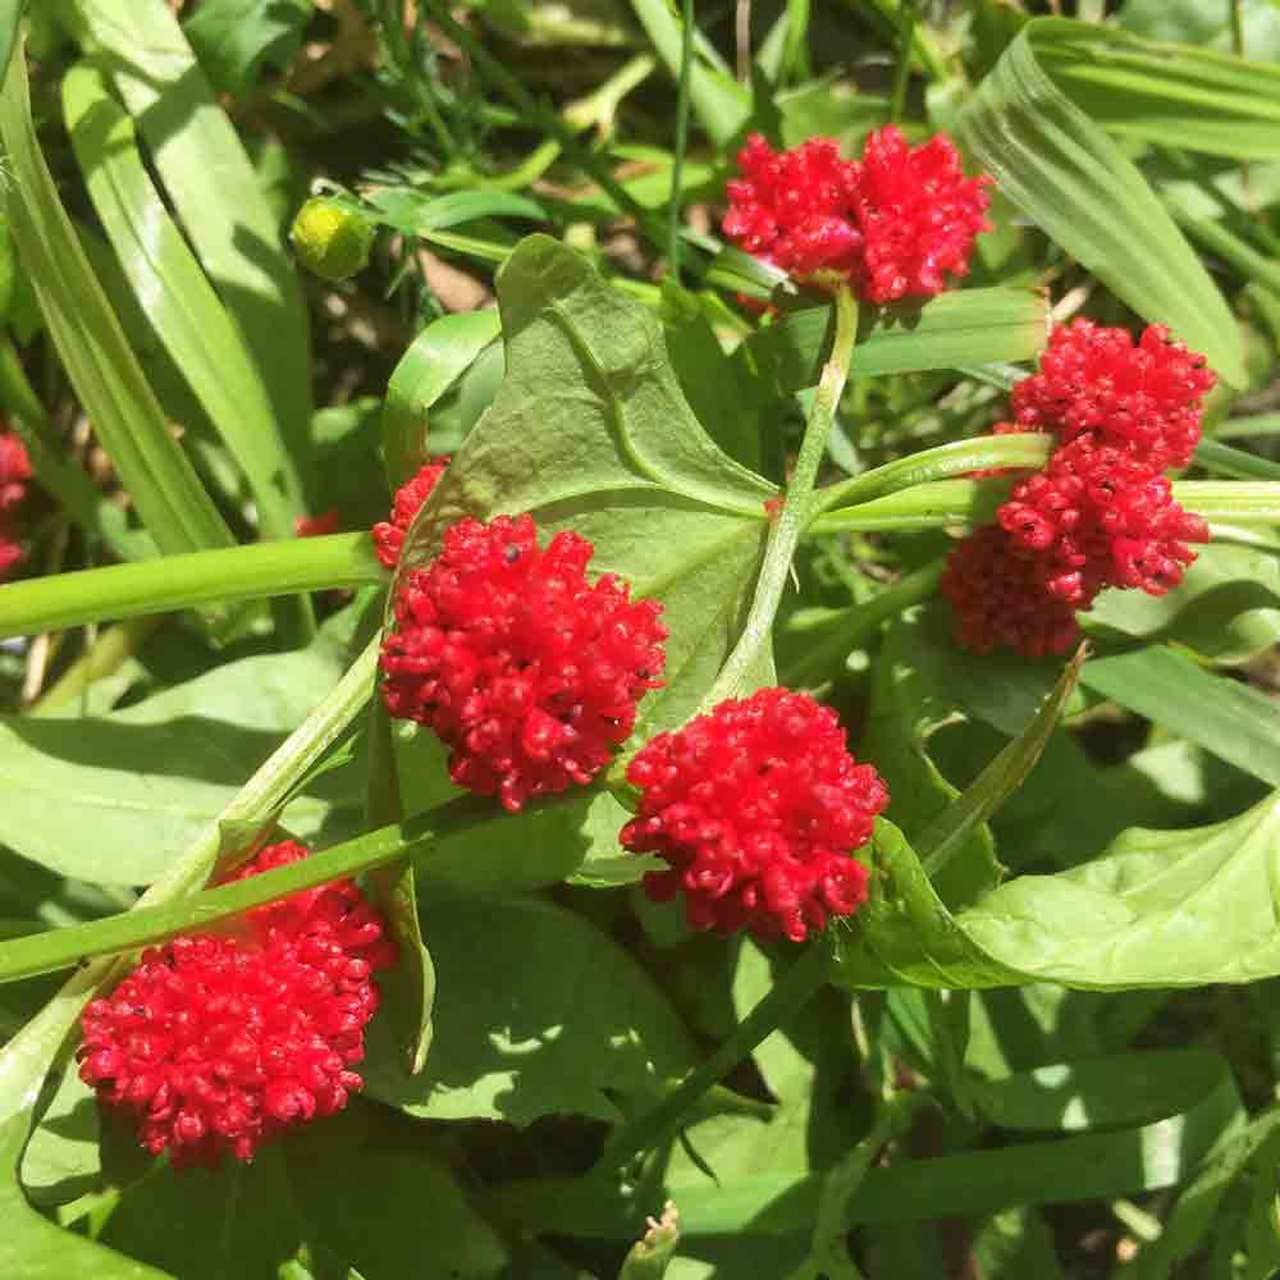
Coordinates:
(894,224)
(1145,397)
(757,808)
(1098,517)
(793,207)
(999,600)
(918,215)
(388,535)
(529,673)
(218,1043)
(318,526)
(15,471)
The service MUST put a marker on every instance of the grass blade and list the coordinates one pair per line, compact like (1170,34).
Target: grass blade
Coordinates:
(177,297)
(92,346)
(1062,170)
(207,175)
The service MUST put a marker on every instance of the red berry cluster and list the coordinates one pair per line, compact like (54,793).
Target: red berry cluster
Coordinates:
(15,471)
(318,526)
(894,224)
(527,671)
(1143,397)
(217,1044)
(1101,513)
(388,535)
(756,807)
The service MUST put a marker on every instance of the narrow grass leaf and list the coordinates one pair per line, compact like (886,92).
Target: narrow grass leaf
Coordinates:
(1062,170)
(181,305)
(102,367)
(206,174)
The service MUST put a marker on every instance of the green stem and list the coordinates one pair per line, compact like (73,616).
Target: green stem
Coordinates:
(926,506)
(784,537)
(682,141)
(959,458)
(650,1130)
(902,73)
(181,582)
(829,641)
(45,952)
(1248,501)
(1227,461)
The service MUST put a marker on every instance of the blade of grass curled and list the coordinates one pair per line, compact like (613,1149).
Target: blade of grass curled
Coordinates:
(182,582)
(177,298)
(93,349)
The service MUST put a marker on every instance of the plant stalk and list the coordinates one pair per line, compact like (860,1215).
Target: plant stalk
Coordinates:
(787,996)
(786,532)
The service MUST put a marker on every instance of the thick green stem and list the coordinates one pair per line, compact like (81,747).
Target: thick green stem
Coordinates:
(46,952)
(794,990)
(181,582)
(1021,450)
(785,534)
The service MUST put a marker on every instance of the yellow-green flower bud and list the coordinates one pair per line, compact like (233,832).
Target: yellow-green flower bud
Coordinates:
(331,239)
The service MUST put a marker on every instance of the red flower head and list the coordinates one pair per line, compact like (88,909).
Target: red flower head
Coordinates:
(1145,397)
(1097,517)
(528,672)
(792,207)
(918,214)
(218,1043)
(388,535)
(999,599)
(757,807)
(317,526)
(15,470)
(895,224)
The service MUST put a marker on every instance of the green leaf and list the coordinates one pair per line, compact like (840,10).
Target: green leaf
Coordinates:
(1063,171)
(435,360)
(1159,909)
(589,431)
(418,213)
(147,780)
(1169,1119)
(409,990)
(539,1014)
(10,20)
(724,398)
(1227,607)
(1176,95)
(357,1191)
(97,358)
(234,39)
(1235,722)
(214,189)
(908,705)
(955,329)
(178,300)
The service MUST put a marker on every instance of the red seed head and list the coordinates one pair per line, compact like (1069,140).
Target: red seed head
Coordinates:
(528,672)
(388,535)
(216,1044)
(757,808)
